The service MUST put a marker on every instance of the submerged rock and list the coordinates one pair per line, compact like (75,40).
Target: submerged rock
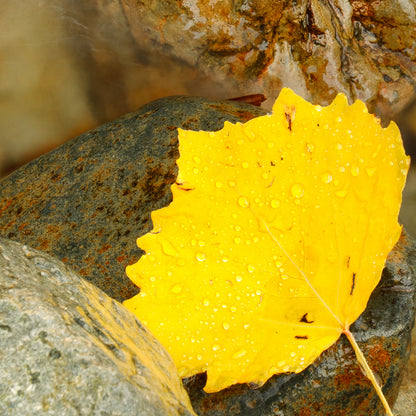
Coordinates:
(66,348)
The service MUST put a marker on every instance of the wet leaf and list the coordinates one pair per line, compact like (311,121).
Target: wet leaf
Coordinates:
(277,235)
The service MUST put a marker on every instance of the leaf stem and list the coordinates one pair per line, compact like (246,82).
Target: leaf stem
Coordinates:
(368,372)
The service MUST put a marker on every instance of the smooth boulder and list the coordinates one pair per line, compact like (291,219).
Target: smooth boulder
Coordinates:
(66,348)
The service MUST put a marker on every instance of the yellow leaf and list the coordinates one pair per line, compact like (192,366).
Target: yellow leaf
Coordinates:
(277,235)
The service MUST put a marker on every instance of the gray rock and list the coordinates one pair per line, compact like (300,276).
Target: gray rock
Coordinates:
(66,348)
(87,201)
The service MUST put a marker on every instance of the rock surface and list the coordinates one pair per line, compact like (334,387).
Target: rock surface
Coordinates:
(363,49)
(66,348)
(87,201)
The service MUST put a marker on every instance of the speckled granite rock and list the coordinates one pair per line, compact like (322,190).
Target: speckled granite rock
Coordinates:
(66,348)
(87,201)
(318,48)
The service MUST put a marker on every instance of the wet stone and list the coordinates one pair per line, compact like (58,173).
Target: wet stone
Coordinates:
(66,348)
(87,201)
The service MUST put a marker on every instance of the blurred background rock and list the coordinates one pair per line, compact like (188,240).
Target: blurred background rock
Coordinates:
(67,66)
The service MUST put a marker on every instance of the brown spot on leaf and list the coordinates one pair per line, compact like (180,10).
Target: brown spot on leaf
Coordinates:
(305,319)
(289,121)
(353,283)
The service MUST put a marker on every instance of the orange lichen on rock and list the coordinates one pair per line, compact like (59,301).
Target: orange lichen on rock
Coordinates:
(277,235)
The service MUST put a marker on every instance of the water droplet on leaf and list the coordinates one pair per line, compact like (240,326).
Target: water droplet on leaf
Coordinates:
(355,170)
(243,202)
(176,289)
(200,256)
(326,177)
(250,268)
(297,190)
(180,262)
(341,193)
(239,354)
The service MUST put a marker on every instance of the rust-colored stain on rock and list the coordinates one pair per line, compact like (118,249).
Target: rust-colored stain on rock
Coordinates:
(362,48)
(87,201)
